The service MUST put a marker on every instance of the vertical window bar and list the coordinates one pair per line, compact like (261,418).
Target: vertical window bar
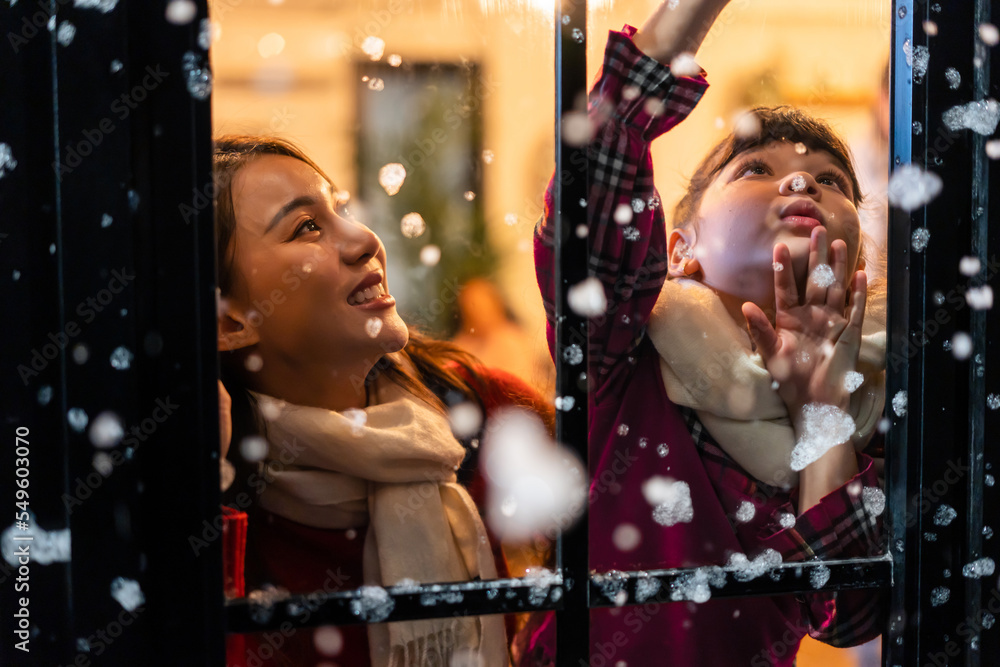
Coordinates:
(571,178)
(977,330)
(902,470)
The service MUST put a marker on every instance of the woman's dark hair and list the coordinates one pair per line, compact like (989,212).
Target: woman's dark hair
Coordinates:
(780,123)
(424,362)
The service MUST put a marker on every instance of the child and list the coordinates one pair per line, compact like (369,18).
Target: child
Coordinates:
(684,415)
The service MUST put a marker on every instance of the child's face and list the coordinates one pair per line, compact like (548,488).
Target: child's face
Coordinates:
(300,264)
(768,195)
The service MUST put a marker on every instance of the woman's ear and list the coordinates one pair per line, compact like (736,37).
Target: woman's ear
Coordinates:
(683,263)
(236,327)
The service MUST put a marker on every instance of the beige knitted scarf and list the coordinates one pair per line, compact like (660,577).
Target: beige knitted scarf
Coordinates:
(708,364)
(390,466)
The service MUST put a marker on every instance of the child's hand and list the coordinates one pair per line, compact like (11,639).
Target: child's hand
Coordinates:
(815,340)
(225,419)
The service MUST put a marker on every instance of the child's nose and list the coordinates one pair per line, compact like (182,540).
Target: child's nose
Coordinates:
(799,182)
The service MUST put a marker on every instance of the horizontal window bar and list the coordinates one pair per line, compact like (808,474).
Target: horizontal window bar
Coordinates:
(395,603)
(616,589)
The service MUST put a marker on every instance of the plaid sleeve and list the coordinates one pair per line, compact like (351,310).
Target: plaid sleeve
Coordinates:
(635,100)
(845,524)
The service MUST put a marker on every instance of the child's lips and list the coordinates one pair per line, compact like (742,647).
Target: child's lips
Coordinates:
(801,222)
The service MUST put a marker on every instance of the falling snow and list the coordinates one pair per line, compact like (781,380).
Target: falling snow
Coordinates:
(253,448)
(921,58)
(611,584)
(684,64)
(823,427)
(412,225)
(798,184)
(977,569)
(430,255)
(46,546)
(373,47)
(66,33)
(77,419)
(373,326)
(910,187)
(104,6)
(626,537)
(744,569)
(819,575)
(694,586)
(587,298)
(7,161)
(899,403)
(646,587)
(573,354)
(953,77)
(993,401)
(980,117)
(961,345)
(671,500)
(466,418)
(197,77)
(128,593)
(391,177)
(919,239)
(106,430)
(544,479)
(874,500)
(989,34)
(181,12)
(852,381)
(745,512)
(944,515)
(372,605)
(823,276)
(969,266)
(121,358)
(939,596)
(980,298)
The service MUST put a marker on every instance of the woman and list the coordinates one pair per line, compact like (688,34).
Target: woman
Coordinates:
(362,478)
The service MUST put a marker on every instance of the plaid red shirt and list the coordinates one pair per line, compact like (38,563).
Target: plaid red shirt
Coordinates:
(636,432)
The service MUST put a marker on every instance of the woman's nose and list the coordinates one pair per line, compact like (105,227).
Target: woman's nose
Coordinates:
(359,243)
(799,182)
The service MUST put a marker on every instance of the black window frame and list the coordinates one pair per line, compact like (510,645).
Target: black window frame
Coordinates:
(152,175)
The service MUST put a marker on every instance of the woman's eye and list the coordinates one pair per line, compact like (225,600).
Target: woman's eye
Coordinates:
(307,226)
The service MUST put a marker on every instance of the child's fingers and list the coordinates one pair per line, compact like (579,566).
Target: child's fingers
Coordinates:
(786,294)
(817,256)
(835,294)
(764,337)
(856,309)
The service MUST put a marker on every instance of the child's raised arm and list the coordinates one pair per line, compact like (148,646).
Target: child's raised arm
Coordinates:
(635,100)
(677,26)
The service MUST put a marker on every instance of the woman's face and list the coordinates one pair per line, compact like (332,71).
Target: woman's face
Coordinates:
(765,196)
(311,283)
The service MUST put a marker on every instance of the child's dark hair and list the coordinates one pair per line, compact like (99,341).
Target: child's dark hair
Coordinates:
(782,123)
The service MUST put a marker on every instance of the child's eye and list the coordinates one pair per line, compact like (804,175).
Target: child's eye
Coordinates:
(832,178)
(752,168)
(307,226)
